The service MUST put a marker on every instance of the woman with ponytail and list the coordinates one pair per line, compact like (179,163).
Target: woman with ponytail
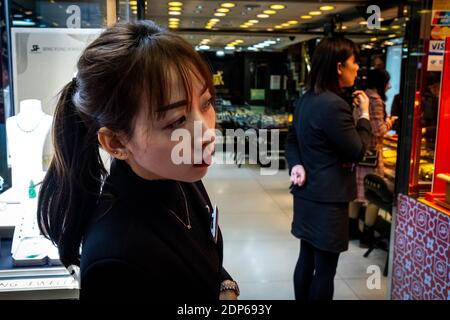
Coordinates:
(141,230)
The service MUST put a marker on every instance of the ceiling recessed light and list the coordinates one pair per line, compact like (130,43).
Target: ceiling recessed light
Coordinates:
(270,29)
(239,41)
(395,27)
(314,13)
(277,7)
(278,27)
(224,10)
(230,48)
(133,7)
(263,16)
(253,21)
(285,24)
(373,39)
(228,5)
(269,11)
(134,12)
(171,4)
(344,27)
(215,20)
(326,8)
(175,9)
(392,35)
(174,19)
(306,17)
(219,14)
(174,13)
(363,23)
(173,26)
(384,29)
(133,3)
(244,26)
(293,22)
(204,47)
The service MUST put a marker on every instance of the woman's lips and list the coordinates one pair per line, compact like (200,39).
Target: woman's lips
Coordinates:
(206,162)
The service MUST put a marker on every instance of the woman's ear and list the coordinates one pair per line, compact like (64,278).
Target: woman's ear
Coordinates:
(339,68)
(112,143)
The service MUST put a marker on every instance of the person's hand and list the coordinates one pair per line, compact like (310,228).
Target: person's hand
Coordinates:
(298,175)
(392,120)
(228,295)
(361,101)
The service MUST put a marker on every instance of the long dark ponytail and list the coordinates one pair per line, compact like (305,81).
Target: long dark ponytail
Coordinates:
(128,64)
(71,186)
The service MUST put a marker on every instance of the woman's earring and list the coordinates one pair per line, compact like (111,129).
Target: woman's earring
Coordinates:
(120,155)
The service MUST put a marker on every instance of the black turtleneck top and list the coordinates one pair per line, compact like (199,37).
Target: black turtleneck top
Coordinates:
(138,244)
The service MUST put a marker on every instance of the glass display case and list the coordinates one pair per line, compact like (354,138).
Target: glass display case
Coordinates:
(439,196)
(40,45)
(421,233)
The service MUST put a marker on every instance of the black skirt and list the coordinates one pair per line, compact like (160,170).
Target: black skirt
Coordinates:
(324,225)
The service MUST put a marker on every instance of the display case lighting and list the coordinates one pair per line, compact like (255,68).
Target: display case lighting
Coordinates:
(277,7)
(228,5)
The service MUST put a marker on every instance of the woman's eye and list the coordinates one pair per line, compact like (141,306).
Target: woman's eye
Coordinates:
(179,122)
(208,104)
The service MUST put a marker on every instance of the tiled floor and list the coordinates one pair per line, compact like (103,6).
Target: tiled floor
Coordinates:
(260,252)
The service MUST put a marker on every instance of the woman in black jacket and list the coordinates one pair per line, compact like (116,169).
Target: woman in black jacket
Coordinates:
(325,143)
(145,230)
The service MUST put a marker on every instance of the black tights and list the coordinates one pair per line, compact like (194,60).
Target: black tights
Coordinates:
(314,273)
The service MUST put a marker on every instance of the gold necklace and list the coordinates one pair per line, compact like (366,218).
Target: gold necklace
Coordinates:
(188,225)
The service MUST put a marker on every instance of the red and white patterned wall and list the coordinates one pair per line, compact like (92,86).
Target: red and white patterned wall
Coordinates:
(421,269)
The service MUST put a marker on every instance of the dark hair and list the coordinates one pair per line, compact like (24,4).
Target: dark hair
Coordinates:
(378,79)
(327,55)
(127,64)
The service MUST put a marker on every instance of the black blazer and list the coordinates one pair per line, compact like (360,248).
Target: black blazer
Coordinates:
(136,248)
(325,140)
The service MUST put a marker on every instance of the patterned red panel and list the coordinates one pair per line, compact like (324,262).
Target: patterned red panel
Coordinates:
(421,269)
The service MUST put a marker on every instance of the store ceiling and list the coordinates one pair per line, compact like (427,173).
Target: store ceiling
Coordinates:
(232,25)
(242,21)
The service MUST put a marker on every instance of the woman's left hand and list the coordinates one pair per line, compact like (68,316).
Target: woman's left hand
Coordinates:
(298,175)
(228,295)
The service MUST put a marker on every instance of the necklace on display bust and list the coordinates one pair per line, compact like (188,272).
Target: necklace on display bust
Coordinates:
(188,225)
(30,130)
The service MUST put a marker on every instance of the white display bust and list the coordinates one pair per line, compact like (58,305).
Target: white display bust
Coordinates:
(26,134)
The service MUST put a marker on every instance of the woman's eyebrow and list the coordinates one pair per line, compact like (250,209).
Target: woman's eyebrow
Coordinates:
(180,103)
(174,105)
